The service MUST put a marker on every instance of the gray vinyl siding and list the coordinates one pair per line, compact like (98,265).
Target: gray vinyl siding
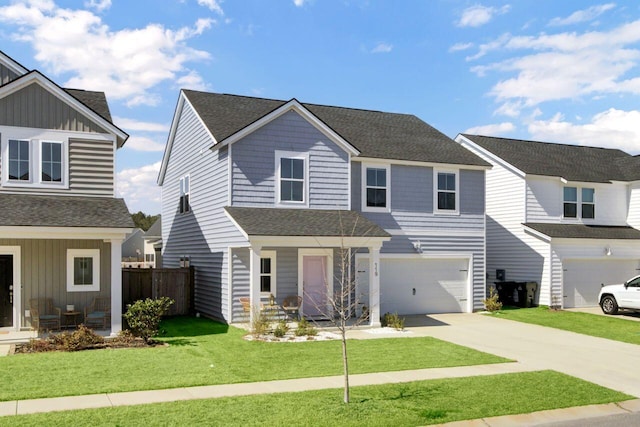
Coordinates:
(91,170)
(43,272)
(6,75)
(35,107)
(254,165)
(205,233)
(412,200)
(286,277)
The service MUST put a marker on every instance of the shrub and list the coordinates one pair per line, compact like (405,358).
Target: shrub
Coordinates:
(281,329)
(305,328)
(392,320)
(143,317)
(81,339)
(492,303)
(260,324)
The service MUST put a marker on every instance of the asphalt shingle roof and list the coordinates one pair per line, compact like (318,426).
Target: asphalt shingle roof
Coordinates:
(97,101)
(374,133)
(155,231)
(572,162)
(304,222)
(63,211)
(582,231)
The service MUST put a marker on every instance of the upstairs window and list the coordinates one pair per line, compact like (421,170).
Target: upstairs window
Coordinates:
(51,164)
(185,188)
(291,180)
(19,160)
(583,197)
(570,202)
(588,203)
(375,191)
(446,192)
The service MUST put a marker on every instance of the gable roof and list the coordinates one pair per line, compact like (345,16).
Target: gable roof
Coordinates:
(97,101)
(571,162)
(375,134)
(155,231)
(304,222)
(583,231)
(56,211)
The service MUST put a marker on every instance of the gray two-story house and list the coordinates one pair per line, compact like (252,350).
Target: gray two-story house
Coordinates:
(564,216)
(61,226)
(265,197)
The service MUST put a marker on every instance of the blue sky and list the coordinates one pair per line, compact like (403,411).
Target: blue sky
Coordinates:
(563,71)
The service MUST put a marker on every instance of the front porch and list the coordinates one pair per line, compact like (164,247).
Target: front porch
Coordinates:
(307,254)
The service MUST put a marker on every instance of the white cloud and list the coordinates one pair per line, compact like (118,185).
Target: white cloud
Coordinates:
(584,15)
(139,189)
(143,143)
(478,15)
(550,67)
(135,125)
(99,5)
(192,81)
(491,129)
(460,46)
(213,5)
(126,64)
(299,3)
(382,48)
(611,128)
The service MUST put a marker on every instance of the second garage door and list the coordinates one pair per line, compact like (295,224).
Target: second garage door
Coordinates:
(582,279)
(419,285)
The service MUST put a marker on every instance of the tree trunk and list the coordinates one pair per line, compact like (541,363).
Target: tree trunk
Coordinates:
(345,365)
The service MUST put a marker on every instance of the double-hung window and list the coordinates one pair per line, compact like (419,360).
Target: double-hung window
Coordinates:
(185,190)
(446,192)
(292,177)
(583,197)
(19,164)
(83,270)
(268,273)
(375,191)
(51,162)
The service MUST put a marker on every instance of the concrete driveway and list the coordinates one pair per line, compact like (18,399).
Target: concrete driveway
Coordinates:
(612,364)
(629,315)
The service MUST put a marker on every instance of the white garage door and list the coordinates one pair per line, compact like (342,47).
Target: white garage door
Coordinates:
(583,278)
(418,285)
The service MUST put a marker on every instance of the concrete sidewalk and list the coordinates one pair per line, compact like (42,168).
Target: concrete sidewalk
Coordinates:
(32,406)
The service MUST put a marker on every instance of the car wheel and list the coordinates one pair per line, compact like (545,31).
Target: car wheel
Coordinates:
(609,305)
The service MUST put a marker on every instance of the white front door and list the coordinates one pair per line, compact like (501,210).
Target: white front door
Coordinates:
(314,286)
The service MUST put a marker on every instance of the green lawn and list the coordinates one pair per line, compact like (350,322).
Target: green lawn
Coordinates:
(203,352)
(610,327)
(408,404)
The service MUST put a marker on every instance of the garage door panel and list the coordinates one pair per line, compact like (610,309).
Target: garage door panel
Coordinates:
(582,279)
(419,285)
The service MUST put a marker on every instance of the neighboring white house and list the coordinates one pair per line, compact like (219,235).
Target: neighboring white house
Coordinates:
(152,240)
(560,215)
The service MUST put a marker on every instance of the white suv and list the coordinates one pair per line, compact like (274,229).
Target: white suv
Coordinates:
(622,296)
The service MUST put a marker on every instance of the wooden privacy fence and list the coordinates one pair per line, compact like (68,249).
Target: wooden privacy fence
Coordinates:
(175,283)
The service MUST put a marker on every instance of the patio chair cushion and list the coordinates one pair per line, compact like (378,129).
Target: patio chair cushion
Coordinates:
(48,317)
(96,315)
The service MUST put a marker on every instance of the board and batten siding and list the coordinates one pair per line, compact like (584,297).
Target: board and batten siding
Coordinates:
(205,233)
(254,164)
(6,75)
(35,107)
(44,272)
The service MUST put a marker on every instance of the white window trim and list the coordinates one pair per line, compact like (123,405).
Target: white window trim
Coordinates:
(186,193)
(305,187)
(274,270)
(35,162)
(63,164)
(456,172)
(85,253)
(363,180)
(579,203)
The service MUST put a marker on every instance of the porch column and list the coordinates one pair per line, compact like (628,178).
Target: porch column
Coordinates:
(254,280)
(374,286)
(116,286)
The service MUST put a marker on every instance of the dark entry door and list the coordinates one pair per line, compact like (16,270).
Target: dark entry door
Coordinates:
(6,290)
